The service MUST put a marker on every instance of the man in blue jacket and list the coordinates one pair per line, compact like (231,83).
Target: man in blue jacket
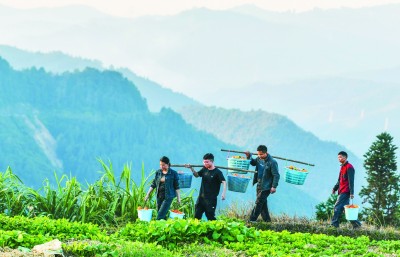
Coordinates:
(266,178)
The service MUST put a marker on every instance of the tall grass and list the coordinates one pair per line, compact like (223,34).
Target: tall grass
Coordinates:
(13,194)
(61,202)
(109,200)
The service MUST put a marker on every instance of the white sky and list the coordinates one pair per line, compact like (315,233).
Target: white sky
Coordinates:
(133,8)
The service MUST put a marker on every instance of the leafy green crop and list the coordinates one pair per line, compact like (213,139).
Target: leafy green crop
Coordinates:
(61,228)
(172,232)
(179,237)
(15,238)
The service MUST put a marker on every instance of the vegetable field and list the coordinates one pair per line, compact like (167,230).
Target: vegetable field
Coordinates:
(184,237)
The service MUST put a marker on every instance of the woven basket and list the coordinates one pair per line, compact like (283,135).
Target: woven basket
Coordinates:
(185,180)
(238,163)
(237,184)
(295,177)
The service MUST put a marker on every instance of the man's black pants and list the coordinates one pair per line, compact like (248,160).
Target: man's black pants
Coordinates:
(261,205)
(204,205)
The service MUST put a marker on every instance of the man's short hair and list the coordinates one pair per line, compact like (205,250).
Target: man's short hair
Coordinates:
(165,160)
(208,156)
(343,153)
(262,148)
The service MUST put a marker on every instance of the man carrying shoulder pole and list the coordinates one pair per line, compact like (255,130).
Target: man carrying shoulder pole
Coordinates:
(211,180)
(267,179)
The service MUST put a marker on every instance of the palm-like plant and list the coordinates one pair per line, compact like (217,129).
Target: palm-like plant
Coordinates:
(12,194)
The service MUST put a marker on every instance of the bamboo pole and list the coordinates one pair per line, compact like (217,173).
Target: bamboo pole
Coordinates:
(276,157)
(219,167)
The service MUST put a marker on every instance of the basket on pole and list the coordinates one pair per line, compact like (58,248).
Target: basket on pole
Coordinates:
(238,162)
(185,180)
(295,175)
(238,183)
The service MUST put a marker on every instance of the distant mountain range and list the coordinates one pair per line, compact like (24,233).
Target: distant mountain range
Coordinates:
(202,48)
(332,72)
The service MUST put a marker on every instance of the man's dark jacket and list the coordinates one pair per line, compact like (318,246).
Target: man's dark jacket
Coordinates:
(270,176)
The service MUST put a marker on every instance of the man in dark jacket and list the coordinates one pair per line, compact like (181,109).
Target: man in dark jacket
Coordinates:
(345,188)
(267,178)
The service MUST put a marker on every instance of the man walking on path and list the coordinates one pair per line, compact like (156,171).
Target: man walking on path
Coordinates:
(267,178)
(211,180)
(345,188)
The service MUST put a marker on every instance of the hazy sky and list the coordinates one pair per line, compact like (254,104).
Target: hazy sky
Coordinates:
(133,8)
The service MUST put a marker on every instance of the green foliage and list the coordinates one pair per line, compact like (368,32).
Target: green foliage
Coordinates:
(225,237)
(206,250)
(91,248)
(15,238)
(118,248)
(383,189)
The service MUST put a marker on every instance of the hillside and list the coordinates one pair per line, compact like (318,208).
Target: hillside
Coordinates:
(74,118)
(158,96)
(155,94)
